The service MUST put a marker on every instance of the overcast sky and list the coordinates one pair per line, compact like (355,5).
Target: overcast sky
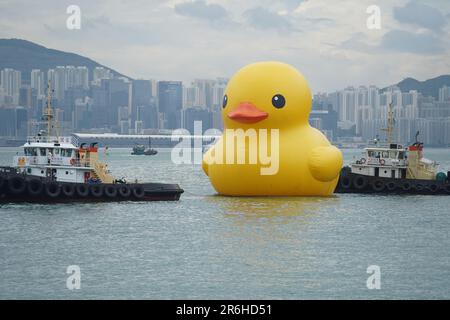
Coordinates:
(327,40)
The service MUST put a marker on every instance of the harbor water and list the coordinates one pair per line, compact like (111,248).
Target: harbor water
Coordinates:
(212,247)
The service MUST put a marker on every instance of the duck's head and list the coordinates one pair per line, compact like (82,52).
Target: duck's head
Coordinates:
(266,95)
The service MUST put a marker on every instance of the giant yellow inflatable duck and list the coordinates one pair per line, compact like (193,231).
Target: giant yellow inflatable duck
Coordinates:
(267,105)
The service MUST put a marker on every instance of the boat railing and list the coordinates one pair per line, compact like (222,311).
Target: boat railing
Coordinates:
(50,139)
(22,161)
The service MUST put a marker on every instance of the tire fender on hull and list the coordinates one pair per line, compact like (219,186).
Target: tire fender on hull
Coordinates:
(378,185)
(124,191)
(391,185)
(110,191)
(17,185)
(406,186)
(82,190)
(360,182)
(345,182)
(433,188)
(96,190)
(53,189)
(35,187)
(68,190)
(138,191)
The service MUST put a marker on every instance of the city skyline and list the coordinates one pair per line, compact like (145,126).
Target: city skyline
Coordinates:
(98,101)
(183,40)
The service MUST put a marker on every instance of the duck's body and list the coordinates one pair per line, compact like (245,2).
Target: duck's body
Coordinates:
(306,163)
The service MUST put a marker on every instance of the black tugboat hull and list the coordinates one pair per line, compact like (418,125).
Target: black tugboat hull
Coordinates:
(21,188)
(356,183)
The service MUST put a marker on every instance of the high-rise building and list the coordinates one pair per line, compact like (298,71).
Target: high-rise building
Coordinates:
(82,77)
(141,96)
(190,97)
(191,115)
(205,92)
(13,122)
(10,81)
(25,96)
(59,83)
(7,122)
(38,82)
(170,100)
(100,73)
(82,118)
(444,94)
(118,92)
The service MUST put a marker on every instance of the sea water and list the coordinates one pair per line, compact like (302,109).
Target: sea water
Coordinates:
(207,246)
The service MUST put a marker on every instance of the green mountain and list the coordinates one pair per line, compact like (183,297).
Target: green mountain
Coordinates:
(428,87)
(24,56)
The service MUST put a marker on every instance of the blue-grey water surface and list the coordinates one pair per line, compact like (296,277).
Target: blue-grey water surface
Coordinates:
(211,247)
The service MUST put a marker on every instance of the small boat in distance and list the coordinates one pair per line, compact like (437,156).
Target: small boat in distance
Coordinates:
(58,169)
(139,149)
(393,169)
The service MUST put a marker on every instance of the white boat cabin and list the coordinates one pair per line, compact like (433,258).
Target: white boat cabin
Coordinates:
(388,162)
(57,158)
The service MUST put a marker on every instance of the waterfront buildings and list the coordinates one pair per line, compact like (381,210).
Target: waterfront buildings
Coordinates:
(98,100)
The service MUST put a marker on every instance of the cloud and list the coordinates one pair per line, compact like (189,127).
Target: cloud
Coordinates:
(201,10)
(357,42)
(291,4)
(160,38)
(420,15)
(261,18)
(404,41)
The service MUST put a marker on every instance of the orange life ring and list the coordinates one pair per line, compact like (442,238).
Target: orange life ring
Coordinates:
(72,162)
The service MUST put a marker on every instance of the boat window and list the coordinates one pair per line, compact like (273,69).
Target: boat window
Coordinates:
(63,152)
(27,151)
(33,152)
(56,151)
(50,151)
(401,154)
(385,154)
(43,151)
(392,154)
(371,153)
(68,152)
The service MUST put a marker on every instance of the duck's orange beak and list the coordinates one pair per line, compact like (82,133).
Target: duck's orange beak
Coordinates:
(246,112)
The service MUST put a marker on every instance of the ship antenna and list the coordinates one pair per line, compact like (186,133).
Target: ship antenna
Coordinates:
(48,111)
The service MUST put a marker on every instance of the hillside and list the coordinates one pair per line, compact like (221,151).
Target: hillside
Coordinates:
(428,87)
(24,56)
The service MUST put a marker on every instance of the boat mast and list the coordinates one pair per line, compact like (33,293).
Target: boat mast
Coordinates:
(48,115)
(390,124)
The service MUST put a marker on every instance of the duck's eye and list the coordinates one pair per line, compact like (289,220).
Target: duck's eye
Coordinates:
(225,101)
(278,101)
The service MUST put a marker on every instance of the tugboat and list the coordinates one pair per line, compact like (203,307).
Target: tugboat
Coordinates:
(140,149)
(393,168)
(56,169)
